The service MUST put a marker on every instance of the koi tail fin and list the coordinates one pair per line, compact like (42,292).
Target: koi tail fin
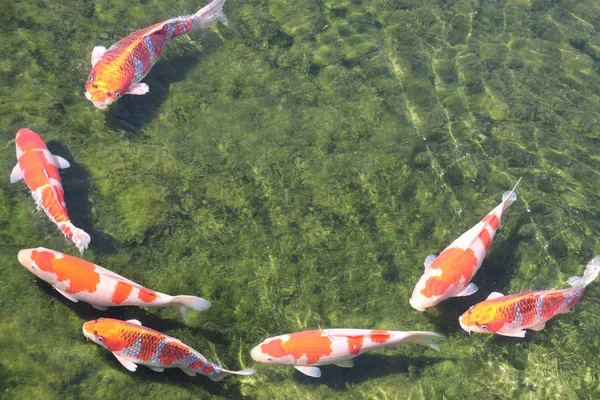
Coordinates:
(209,15)
(511,195)
(77,236)
(224,372)
(183,303)
(416,337)
(591,272)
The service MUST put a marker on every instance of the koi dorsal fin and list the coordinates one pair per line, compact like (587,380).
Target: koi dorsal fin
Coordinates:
(494,295)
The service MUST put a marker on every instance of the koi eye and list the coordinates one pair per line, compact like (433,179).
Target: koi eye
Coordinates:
(100,339)
(269,358)
(118,94)
(91,78)
(484,327)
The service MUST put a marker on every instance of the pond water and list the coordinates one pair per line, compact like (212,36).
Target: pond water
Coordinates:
(295,166)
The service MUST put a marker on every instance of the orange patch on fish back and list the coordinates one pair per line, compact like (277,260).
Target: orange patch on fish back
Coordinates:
(122,292)
(196,364)
(149,344)
(551,303)
(492,220)
(378,336)
(172,352)
(355,343)
(147,295)
(485,238)
(80,273)
(456,265)
(311,344)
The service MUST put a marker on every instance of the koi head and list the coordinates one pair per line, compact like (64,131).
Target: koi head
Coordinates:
(419,300)
(481,318)
(104,87)
(106,332)
(28,140)
(272,351)
(37,265)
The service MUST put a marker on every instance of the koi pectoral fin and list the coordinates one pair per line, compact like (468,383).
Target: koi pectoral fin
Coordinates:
(520,334)
(314,372)
(16,174)
(138,88)
(126,363)
(60,162)
(67,295)
(467,291)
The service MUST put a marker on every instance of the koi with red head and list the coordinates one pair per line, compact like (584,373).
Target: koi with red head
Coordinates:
(118,70)
(511,315)
(132,344)
(449,274)
(39,169)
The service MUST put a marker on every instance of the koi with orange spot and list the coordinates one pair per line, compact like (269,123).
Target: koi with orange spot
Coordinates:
(511,315)
(118,70)
(77,279)
(307,350)
(448,275)
(132,344)
(39,169)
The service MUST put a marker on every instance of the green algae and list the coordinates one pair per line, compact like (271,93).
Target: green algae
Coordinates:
(295,167)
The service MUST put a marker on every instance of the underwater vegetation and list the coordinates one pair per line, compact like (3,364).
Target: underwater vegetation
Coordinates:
(295,167)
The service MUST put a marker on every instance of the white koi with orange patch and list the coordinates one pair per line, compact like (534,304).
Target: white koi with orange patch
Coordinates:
(308,349)
(448,275)
(77,279)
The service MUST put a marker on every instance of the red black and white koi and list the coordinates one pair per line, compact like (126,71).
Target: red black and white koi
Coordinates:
(448,275)
(118,70)
(132,344)
(511,315)
(39,169)
(307,350)
(77,279)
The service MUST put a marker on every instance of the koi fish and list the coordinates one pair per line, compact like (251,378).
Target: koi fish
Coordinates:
(449,274)
(132,344)
(308,349)
(511,315)
(118,70)
(77,279)
(39,168)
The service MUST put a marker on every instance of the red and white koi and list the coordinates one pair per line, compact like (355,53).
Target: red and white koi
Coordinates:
(39,168)
(307,350)
(511,315)
(448,275)
(132,344)
(118,70)
(77,279)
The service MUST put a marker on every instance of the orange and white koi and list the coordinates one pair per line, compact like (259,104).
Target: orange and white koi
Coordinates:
(39,168)
(132,344)
(77,279)
(511,315)
(307,350)
(118,70)
(448,275)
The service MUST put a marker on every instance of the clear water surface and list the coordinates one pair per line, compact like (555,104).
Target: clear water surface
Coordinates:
(296,167)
